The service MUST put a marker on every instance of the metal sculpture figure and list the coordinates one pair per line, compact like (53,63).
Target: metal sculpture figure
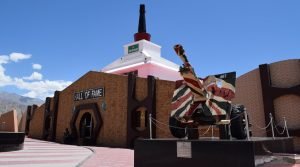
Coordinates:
(204,102)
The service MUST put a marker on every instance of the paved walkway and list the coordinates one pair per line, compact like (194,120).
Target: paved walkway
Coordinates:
(37,153)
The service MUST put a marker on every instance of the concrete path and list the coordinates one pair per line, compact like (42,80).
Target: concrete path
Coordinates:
(37,153)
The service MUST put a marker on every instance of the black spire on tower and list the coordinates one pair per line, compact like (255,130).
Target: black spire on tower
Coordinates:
(142,32)
(142,19)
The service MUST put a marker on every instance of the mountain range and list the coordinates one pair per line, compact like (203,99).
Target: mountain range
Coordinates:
(10,101)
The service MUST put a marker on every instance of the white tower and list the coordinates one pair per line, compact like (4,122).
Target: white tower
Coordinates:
(143,57)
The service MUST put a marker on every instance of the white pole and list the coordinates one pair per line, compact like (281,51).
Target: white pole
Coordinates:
(247,125)
(286,128)
(271,119)
(186,134)
(150,125)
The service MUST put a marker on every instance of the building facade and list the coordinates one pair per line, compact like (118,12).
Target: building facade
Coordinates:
(104,109)
(112,107)
(272,88)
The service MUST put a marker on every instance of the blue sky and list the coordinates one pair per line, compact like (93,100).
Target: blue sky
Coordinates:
(68,38)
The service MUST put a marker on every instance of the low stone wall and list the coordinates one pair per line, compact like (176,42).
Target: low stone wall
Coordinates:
(9,121)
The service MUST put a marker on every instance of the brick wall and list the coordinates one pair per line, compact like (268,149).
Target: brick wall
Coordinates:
(9,122)
(284,74)
(36,123)
(248,93)
(22,122)
(164,90)
(113,130)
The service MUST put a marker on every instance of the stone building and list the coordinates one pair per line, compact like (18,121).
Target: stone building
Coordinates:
(103,109)
(112,107)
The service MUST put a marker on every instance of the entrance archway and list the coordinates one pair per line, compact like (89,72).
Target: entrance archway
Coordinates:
(97,123)
(86,128)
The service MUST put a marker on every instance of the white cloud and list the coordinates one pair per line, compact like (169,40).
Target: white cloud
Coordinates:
(36,66)
(4,59)
(34,76)
(4,80)
(35,86)
(31,94)
(41,89)
(15,57)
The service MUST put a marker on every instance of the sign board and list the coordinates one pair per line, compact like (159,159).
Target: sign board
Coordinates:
(89,94)
(133,48)
(184,149)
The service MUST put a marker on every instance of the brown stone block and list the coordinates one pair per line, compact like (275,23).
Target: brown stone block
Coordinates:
(9,122)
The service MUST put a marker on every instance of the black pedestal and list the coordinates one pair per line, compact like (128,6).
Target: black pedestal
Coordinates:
(10,141)
(224,131)
(206,152)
